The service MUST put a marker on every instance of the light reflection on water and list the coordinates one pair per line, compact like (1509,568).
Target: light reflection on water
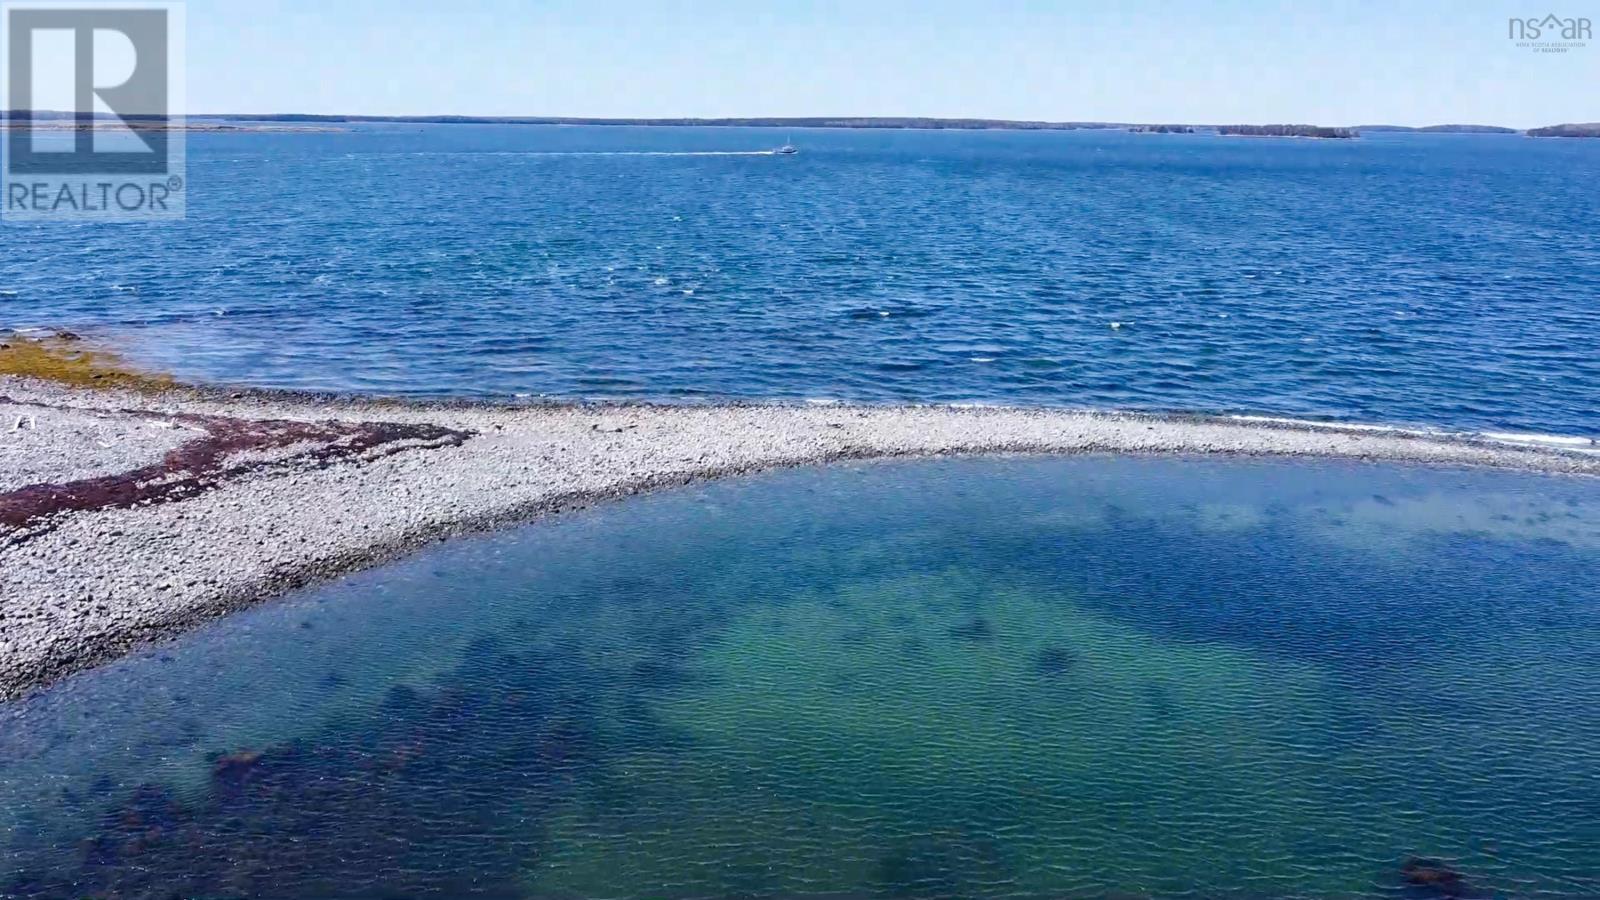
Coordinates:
(973,678)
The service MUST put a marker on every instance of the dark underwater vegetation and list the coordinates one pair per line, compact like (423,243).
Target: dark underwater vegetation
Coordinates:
(1093,677)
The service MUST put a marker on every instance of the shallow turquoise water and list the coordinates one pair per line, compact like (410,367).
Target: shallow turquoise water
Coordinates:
(1010,678)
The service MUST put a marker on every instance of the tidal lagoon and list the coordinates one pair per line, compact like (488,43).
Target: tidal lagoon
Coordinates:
(1025,677)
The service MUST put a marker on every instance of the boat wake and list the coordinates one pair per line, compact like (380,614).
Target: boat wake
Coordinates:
(649,153)
(567,153)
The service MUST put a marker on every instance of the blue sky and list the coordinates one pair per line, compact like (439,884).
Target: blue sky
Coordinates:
(1330,62)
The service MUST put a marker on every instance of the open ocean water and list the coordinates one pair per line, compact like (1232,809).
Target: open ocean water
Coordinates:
(1441,280)
(1071,678)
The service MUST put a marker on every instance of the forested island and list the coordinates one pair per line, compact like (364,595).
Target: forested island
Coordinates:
(1440,129)
(1303,131)
(1585,130)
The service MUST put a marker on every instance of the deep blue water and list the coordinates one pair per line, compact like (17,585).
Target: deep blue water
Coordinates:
(1092,677)
(1426,279)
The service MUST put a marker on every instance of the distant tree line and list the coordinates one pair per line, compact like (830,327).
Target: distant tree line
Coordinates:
(1441,129)
(1310,131)
(1590,129)
(787,122)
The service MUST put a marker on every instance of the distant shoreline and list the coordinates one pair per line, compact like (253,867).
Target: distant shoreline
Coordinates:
(320,122)
(200,127)
(857,122)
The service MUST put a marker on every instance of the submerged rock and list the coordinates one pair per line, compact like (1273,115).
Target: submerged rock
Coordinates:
(1434,874)
(1054,661)
(977,629)
(235,766)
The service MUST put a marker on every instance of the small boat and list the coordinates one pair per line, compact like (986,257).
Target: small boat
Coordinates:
(788,149)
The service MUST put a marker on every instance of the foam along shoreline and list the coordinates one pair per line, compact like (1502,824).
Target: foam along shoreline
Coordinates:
(127,517)
(1572,443)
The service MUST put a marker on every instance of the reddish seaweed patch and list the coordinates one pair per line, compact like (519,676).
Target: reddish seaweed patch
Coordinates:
(230,448)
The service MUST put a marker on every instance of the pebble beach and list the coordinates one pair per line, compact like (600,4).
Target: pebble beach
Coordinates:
(128,517)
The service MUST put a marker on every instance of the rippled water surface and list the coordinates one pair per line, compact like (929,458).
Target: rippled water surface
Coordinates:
(1013,678)
(1447,280)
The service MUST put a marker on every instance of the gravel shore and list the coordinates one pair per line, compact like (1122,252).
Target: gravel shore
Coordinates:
(334,485)
(48,444)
